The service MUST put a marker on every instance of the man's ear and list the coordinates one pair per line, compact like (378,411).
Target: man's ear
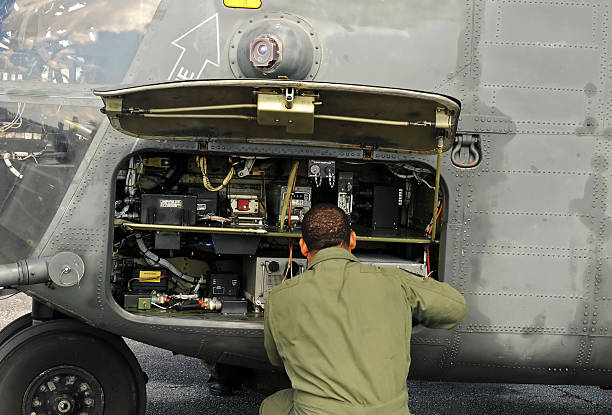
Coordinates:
(352,241)
(303,247)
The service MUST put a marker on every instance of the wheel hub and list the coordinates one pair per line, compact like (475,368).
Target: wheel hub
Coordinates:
(64,390)
(63,405)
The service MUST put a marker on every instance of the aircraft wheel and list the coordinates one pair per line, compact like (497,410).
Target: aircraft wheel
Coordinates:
(15,327)
(64,367)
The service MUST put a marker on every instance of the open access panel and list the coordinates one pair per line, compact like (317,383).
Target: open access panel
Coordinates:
(210,233)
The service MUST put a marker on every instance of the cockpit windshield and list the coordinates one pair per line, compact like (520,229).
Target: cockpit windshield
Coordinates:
(52,53)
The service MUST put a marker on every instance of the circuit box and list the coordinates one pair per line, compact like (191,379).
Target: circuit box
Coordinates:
(168,209)
(264,273)
(223,285)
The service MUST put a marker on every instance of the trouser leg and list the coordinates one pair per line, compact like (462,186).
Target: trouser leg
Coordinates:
(280,403)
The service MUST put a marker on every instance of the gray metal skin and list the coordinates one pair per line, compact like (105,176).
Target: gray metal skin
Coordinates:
(527,232)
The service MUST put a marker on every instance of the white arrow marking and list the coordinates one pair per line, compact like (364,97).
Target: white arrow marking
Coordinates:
(190,70)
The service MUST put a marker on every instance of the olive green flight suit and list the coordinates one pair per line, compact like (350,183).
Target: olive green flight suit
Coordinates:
(342,330)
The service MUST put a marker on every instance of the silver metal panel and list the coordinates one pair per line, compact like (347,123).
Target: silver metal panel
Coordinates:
(599,316)
(509,64)
(531,313)
(606,247)
(394,34)
(389,261)
(561,23)
(536,108)
(527,229)
(393,47)
(517,192)
(516,350)
(547,271)
(533,154)
(597,355)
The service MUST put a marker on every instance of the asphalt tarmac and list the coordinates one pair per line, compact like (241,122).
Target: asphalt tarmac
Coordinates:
(177,386)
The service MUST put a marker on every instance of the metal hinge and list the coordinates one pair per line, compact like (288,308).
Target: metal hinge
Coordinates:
(467,151)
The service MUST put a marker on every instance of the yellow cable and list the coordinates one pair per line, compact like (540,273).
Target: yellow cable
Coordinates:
(290,182)
(206,181)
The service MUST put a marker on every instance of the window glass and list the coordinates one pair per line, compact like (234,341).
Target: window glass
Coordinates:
(43,138)
(71,41)
(40,149)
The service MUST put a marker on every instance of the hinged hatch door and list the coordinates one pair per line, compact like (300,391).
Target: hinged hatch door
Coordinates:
(286,112)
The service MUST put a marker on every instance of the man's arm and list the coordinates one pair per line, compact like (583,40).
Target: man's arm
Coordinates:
(434,304)
(269,343)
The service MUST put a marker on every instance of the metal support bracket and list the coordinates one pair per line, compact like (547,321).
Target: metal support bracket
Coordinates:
(245,169)
(444,118)
(294,112)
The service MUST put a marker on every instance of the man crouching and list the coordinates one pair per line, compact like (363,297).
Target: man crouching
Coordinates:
(342,329)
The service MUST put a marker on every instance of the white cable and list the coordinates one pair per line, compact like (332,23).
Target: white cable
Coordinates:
(151,262)
(139,170)
(162,262)
(7,161)
(17,120)
(123,212)
(130,178)
(421,180)
(217,218)
(184,297)
(200,281)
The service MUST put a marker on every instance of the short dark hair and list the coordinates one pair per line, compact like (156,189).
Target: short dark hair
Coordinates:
(326,225)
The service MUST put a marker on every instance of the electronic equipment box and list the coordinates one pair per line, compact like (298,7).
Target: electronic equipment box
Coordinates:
(264,273)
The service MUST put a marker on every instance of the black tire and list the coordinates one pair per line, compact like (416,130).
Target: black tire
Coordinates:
(15,327)
(109,380)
